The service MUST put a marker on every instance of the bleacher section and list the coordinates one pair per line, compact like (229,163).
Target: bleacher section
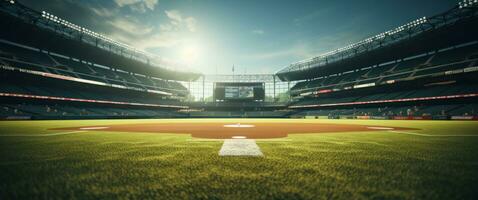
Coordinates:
(35,110)
(409,68)
(76,78)
(439,84)
(238,114)
(445,111)
(446,90)
(40,97)
(29,58)
(430,73)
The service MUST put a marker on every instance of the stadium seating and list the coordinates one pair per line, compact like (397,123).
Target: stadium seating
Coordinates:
(71,100)
(81,111)
(100,82)
(236,114)
(28,58)
(445,60)
(427,111)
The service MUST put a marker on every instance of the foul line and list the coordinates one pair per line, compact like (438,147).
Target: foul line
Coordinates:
(427,135)
(43,135)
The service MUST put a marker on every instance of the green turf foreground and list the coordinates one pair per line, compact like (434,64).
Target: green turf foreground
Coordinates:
(366,165)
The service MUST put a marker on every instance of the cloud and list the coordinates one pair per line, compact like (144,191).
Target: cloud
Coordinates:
(164,36)
(258,32)
(150,4)
(166,27)
(131,26)
(151,41)
(169,34)
(174,15)
(177,21)
(304,49)
(103,12)
(137,5)
(143,36)
(191,24)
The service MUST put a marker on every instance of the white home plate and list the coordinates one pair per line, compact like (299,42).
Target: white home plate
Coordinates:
(379,128)
(94,128)
(239,125)
(240,147)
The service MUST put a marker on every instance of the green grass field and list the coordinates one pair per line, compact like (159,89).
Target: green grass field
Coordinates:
(365,165)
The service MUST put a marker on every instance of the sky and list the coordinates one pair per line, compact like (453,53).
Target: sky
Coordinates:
(255,36)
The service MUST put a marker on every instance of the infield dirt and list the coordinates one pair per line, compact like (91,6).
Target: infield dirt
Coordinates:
(225,130)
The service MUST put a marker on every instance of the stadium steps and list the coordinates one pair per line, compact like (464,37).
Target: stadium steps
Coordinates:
(91,69)
(55,62)
(136,79)
(75,66)
(409,65)
(473,63)
(429,60)
(392,70)
(443,68)
(3,62)
(454,55)
(127,77)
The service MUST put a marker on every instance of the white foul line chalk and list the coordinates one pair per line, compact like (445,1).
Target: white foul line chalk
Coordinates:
(42,135)
(94,128)
(428,135)
(379,128)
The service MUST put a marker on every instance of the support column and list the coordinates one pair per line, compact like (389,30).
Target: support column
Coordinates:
(203,87)
(274,81)
(288,89)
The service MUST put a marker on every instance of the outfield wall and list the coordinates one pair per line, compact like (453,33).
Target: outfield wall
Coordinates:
(232,115)
(390,117)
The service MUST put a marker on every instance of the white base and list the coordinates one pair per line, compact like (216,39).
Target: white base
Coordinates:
(240,147)
(239,125)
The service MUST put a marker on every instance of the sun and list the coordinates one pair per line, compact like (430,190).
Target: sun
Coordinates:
(191,54)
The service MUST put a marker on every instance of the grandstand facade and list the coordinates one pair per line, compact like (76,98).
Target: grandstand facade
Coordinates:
(425,69)
(54,69)
(422,70)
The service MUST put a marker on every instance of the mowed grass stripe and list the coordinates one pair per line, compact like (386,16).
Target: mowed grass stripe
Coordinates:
(42,135)
(427,135)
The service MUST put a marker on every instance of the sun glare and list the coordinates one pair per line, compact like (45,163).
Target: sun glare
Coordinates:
(190,54)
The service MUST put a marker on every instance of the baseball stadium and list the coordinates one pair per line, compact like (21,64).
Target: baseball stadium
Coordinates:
(148,99)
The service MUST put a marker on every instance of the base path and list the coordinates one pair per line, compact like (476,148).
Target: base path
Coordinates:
(228,130)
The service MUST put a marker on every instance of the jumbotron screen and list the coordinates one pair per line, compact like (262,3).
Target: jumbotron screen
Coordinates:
(238,92)
(234,91)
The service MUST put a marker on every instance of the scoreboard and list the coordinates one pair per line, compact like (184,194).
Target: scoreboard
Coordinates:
(239,91)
